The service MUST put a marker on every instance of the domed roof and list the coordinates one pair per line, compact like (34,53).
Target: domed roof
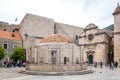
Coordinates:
(91,26)
(56,38)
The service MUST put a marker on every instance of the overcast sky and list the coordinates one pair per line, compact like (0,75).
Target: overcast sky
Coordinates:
(74,12)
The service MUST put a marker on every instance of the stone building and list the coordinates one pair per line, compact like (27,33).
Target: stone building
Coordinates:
(34,28)
(9,38)
(55,53)
(95,44)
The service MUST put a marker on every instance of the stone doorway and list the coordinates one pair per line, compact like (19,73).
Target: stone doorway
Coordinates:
(90,59)
(90,56)
(110,57)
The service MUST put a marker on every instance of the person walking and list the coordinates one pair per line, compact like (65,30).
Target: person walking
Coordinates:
(111,65)
(101,64)
(95,64)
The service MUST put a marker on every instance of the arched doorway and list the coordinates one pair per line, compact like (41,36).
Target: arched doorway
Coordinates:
(90,59)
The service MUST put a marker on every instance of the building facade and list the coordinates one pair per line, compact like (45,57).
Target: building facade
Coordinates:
(9,38)
(95,44)
(55,53)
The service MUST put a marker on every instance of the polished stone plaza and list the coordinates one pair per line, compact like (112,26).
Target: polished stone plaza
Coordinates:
(99,74)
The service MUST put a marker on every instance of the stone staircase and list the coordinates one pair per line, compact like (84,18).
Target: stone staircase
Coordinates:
(82,72)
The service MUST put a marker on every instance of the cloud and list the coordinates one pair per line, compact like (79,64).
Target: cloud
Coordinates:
(99,12)
(74,12)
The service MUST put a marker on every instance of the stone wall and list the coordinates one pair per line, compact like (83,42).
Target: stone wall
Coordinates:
(10,46)
(68,30)
(117,37)
(116,22)
(43,51)
(41,57)
(35,26)
(7,27)
(55,68)
(117,47)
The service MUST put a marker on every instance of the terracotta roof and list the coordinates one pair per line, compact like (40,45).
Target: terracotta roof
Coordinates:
(117,10)
(56,38)
(8,35)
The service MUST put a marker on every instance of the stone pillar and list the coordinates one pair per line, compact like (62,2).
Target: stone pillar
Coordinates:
(72,54)
(61,51)
(27,57)
(35,55)
(80,54)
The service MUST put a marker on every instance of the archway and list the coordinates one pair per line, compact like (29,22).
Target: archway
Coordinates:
(90,59)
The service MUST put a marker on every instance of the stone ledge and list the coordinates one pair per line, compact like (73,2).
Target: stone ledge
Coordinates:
(82,72)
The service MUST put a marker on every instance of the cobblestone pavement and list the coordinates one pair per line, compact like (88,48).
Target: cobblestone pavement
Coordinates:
(99,74)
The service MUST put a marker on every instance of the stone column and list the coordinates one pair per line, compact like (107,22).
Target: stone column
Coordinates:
(72,54)
(35,54)
(27,55)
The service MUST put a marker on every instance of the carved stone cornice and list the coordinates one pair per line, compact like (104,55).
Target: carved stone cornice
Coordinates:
(39,37)
(90,28)
(90,52)
(117,32)
(103,42)
(100,33)
(82,36)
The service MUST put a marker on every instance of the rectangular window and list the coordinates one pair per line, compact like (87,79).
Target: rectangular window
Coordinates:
(76,37)
(66,59)
(5,46)
(14,46)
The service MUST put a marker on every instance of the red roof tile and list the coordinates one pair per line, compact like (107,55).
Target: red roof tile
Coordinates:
(8,35)
(56,38)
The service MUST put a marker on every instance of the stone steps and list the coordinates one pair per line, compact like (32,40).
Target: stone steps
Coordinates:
(82,72)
